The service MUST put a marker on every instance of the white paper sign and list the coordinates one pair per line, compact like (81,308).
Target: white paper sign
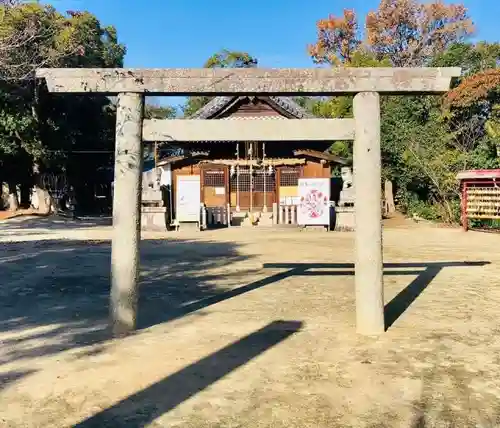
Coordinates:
(314,195)
(188,198)
(220,191)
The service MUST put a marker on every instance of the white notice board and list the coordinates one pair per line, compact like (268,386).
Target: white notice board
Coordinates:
(314,201)
(188,198)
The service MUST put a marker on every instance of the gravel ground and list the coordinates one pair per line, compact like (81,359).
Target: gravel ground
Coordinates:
(248,328)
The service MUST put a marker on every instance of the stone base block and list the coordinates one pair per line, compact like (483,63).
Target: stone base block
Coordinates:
(315,228)
(153,218)
(344,219)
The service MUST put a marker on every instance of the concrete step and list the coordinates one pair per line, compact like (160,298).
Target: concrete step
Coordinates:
(266,220)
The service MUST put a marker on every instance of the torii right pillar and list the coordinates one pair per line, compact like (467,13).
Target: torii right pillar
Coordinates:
(369,282)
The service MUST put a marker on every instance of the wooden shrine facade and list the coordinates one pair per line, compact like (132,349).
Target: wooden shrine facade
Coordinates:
(249,176)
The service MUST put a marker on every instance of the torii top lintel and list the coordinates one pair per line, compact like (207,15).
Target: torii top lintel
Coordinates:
(283,81)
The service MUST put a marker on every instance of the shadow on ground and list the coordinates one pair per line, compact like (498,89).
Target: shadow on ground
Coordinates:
(9,377)
(425,272)
(59,289)
(148,404)
(34,224)
(54,293)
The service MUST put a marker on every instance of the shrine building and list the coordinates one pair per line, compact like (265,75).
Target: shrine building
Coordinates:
(254,182)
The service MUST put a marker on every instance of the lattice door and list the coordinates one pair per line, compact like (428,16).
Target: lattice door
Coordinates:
(262,185)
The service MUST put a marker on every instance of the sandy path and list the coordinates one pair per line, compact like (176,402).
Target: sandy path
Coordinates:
(212,354)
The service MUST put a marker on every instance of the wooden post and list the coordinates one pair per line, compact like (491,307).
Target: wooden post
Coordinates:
(237,177)
(389,205)
(294,214)
(264,208)
(251,180)
(465,220)
(367,176)
(126,213)
(275,213)
(204,217)
(156,154)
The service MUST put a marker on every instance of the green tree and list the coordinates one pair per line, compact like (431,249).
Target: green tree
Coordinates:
(31,36)
(423,146)
(155,111)
(223,59)
(427,142)
(471,57)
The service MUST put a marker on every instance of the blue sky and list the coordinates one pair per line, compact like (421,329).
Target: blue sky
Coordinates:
(183,33)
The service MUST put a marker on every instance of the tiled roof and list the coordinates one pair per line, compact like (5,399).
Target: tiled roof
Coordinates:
(218,103)
(254,118)
(321,155)
(292,107)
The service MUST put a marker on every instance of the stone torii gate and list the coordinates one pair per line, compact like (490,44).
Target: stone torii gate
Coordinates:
(131,86)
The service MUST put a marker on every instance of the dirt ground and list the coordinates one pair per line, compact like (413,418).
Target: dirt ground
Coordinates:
(248,328)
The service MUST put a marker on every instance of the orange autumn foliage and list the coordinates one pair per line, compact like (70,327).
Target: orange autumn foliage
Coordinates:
(408,32)
(474,88)
(337,39)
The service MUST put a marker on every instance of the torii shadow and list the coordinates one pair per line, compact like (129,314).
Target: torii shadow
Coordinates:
(426,272)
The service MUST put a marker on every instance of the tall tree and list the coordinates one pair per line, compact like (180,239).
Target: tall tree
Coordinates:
(222,59)
(411,32)
(34,35)
(477,87)
(338,38)
(421,149)
(231,59)
(156,111)
(407,32)
(476,100)
(471,57)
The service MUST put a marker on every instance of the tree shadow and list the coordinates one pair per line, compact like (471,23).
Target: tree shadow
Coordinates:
(54,294)
(426,272)
(150,403)
(7,378)
(36,223)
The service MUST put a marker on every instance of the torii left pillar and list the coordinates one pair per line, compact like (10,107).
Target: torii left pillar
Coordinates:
(126,213)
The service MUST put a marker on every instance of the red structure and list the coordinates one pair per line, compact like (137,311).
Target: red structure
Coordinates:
(480,195)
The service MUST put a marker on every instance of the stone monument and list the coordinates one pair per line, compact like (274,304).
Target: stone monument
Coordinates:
(344,212)
(347,194)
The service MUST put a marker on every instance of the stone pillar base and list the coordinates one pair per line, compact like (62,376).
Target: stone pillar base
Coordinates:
(344,219)
(153,218)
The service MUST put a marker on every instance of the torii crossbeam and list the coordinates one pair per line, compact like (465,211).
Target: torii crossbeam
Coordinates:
(131,85)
